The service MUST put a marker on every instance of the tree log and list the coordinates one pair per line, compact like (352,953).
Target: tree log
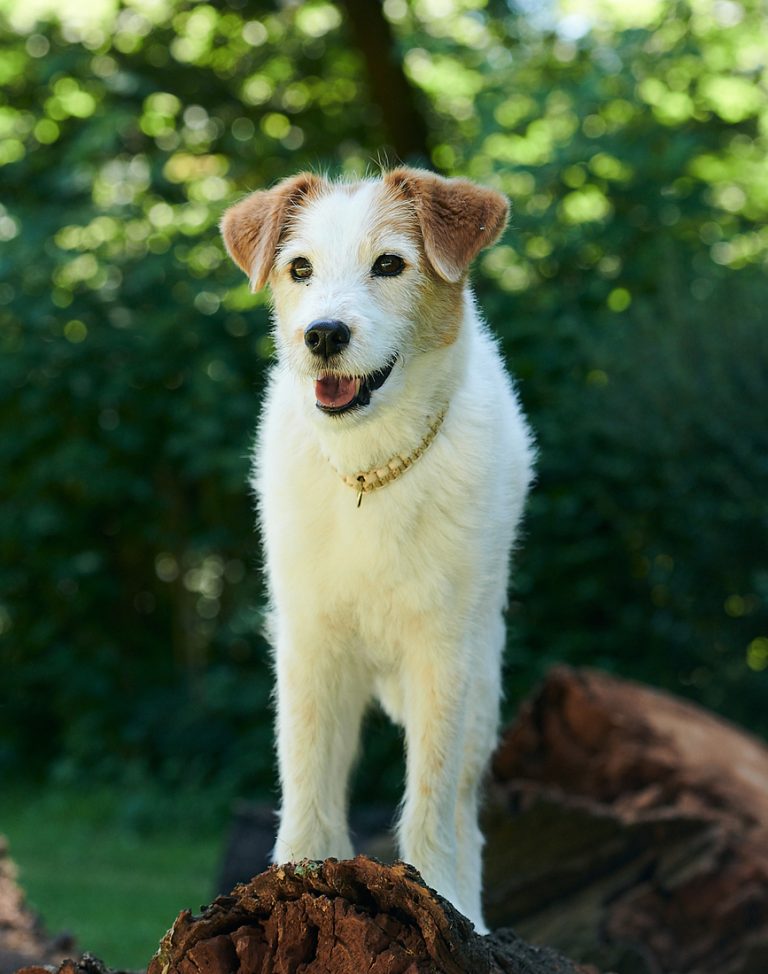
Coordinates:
(345,917)
(630,828)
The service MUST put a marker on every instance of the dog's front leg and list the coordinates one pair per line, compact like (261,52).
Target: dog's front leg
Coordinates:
(320,703)
(434,683)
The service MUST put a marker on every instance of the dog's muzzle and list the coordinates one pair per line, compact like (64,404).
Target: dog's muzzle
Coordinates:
(334,392)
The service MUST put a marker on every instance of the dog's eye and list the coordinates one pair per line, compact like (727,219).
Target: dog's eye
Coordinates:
(388,265)
(301,269)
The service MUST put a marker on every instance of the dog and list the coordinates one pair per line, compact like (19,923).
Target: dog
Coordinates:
(391,468)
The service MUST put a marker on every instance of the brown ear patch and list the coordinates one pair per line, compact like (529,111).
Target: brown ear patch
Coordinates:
(253,227)
(457,217)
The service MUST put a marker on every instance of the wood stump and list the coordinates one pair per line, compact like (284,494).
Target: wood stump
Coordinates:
(630,828)
(345,917)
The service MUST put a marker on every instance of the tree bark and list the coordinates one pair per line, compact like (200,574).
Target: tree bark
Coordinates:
(630,828)
(342,918)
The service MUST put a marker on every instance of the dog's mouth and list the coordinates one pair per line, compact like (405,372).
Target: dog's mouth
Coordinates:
(341,393)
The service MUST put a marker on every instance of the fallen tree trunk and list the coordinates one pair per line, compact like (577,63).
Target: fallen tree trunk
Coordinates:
(630,828)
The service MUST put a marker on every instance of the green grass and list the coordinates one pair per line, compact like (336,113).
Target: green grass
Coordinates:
(116,888)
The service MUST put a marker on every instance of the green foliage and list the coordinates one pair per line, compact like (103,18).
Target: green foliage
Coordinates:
(629,294)
(131,380)
(652,491)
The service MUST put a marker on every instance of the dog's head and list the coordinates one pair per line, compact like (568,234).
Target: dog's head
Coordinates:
(362,274)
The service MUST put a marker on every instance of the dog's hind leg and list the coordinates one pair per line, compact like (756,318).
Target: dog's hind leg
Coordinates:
(320,704)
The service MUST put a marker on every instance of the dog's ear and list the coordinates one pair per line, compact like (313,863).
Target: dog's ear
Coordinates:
(252,228)
(457,217)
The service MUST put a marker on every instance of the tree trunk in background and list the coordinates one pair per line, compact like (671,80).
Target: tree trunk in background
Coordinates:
(630,828)
(390,88)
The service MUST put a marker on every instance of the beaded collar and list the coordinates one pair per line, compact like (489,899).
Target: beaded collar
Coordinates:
(367,480)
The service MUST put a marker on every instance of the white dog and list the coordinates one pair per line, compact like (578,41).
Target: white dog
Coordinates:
(391,469)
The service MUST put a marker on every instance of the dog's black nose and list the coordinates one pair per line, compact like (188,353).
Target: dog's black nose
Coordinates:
(326,338)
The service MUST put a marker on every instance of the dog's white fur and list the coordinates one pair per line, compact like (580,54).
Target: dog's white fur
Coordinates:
(400,600)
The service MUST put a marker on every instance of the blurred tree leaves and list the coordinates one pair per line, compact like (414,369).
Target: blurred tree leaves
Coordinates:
(630,295)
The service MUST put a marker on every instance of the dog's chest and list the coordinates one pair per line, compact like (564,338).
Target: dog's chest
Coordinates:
(390,571)
(373,570)
(384,547)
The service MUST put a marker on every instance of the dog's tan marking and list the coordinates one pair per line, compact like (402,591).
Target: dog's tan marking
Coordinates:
(441,307)
(253,227)
(438,303)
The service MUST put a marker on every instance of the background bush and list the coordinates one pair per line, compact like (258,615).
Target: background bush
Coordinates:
(629,294)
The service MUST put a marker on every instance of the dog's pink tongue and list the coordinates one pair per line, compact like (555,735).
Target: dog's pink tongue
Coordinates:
(335,391)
